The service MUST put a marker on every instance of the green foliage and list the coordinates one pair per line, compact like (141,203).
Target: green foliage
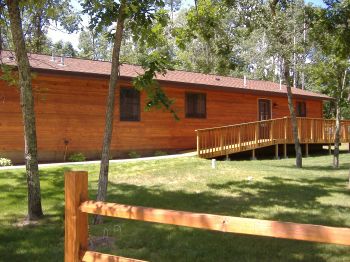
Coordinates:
(329,70)
(160,153)
(211,36)
(64,48)
(77,157)
(155,63)
(145,25)
(37,17)
(5,162)
(95,45)
(8,75)
(134,154)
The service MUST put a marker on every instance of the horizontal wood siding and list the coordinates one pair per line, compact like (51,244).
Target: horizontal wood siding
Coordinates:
(73,108)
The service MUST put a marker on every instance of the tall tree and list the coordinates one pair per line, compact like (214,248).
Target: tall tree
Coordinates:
(95,45)
(64,49)
(146,20)
(27,104)
(206,37)
(115,72)
(174,6)
(331,64)
(39,15)
(281,35)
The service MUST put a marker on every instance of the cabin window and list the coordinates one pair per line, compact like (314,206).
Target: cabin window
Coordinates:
(301,109)
(195,105)
(129,104)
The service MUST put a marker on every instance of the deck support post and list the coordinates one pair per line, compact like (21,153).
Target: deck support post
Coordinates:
(76,222)
(329,149)
(276,152)
(253,155)
(285,151)
(306,150)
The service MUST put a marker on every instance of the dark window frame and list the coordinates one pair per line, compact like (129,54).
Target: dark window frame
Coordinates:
(126,105)
(192,111)
(301,110)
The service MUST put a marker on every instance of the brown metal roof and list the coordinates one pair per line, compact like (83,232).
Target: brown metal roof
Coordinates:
(102,68)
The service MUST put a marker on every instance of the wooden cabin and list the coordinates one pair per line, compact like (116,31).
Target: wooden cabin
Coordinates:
(70,104)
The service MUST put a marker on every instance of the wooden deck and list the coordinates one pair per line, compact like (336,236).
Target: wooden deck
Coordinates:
(226,140)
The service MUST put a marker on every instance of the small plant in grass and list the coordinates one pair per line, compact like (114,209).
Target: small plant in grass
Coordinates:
(160,153)
(134,154)
(76,157)
(5,162)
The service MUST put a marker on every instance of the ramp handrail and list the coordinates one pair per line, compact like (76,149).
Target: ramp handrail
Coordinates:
(225,140)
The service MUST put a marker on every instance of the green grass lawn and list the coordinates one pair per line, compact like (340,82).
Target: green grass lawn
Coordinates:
(316,194)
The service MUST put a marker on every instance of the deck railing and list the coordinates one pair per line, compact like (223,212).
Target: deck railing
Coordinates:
(77,208)
(225,140)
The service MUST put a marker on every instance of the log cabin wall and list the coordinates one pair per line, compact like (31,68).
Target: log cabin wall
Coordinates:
(72,108)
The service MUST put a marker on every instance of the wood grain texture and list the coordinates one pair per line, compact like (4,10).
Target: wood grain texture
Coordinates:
(73,108)
(250,226)
(76,222)
(226,140)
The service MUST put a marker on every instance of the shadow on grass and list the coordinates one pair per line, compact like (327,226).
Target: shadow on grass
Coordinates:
(156,242)
(317,167)
(42,242)
(36,243)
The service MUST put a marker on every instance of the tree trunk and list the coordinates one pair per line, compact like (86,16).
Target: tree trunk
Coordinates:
(103,178)
(38,33)
(337,135)
(1,41)
(27,105)
(299,157)
(340,90)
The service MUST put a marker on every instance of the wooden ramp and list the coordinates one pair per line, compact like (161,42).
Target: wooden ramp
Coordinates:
(226,140)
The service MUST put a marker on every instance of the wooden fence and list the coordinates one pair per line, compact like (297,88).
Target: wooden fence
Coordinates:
(77,208)
(225,140)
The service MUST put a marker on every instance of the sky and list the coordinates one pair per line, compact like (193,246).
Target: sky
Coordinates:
(57,34)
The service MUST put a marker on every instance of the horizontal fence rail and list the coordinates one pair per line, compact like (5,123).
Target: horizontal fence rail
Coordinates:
(225,140)
(77,208)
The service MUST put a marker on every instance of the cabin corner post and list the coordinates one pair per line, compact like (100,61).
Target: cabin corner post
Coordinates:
(76,222)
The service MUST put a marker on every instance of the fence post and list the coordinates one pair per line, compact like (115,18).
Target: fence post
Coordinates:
(76,222)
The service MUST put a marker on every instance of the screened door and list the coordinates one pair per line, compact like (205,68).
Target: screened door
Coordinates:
(264,114)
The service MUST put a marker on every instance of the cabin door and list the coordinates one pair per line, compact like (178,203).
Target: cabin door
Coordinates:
(264,114)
